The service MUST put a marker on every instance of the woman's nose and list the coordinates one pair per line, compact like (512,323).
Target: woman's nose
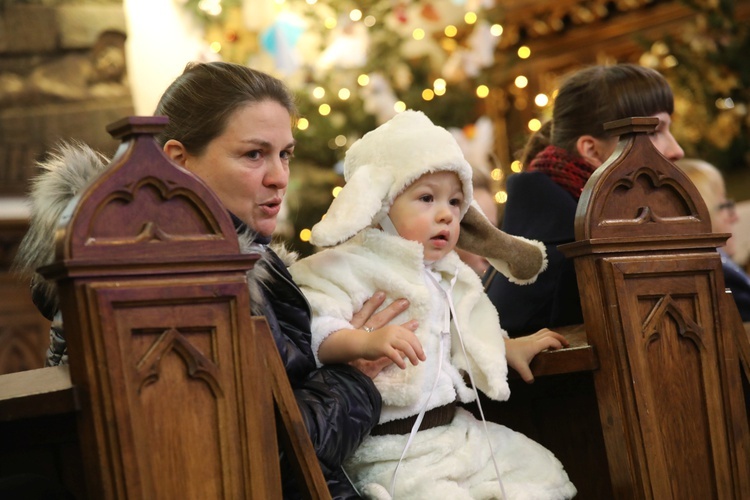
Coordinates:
(673,151)
(277,174)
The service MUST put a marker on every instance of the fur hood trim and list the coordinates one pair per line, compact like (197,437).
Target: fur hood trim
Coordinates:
(70,168)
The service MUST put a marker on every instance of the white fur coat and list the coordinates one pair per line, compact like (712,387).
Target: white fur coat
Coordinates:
(451,461)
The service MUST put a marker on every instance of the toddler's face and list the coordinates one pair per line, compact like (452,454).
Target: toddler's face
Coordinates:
(429,212)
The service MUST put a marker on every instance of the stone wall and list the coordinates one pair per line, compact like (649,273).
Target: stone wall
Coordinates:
(62,77)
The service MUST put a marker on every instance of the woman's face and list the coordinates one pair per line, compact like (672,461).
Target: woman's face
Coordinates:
(661,138)
(247,166)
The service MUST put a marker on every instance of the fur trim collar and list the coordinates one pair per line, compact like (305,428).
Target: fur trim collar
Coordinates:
(70,168)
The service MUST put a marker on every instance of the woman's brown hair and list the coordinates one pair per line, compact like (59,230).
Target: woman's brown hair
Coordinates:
(200,101)
(595,95)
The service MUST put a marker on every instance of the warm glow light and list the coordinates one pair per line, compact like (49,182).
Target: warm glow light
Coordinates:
(470,17)
(215,47)
(418,34)
(521,81)
(370,21)
(324,109)
(363,80)
(448,44)
(534,124)
(336,191)
(330,23)
(428,94)
(355,15)
(312,2)
(399,107)
(305,235)
(340,140)
(440,91)
(344,94)
(483,91)
(303,124)
(496,30)
(496,174)
(516,166)
(450,31)
(318,92)
(210,7)
(501,197)
(524,52)
(438,84)
(541,100)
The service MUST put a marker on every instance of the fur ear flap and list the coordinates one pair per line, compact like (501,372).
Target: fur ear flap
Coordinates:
(356,207)
(519,259)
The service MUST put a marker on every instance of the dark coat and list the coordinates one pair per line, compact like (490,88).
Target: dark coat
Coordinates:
(737,280)
(339,404)
(539,209)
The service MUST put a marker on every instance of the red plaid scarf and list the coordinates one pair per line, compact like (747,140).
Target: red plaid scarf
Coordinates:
(567,170)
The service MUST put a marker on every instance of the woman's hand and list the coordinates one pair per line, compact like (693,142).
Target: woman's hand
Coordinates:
(521,350)
(366,318)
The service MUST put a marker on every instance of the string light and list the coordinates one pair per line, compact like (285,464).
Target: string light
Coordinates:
(336,191)
(450,31)
(355,15)
(210,7)
(330,23)
(303,124)
(370,21)
(501,197)
(340,141)
(305,235)
(215,47)
(521,82)
(516,166)
(496,30)
(541,100)
(363,80)
(524,52)
(470,17)
(534,124)
(418,34)
(483,91)
(344,94)
(319,92)
(496,174)
(399,107)
(324,109)
(428,94)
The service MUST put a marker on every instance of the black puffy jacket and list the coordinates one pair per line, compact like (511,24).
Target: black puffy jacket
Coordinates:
(339,404)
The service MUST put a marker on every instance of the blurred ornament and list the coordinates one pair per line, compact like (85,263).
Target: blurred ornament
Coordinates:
(476,141)
(430,13)
(279,40)
(348,48)
(379,98)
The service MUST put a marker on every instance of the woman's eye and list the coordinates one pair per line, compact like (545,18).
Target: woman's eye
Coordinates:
(254,155)
(287,155)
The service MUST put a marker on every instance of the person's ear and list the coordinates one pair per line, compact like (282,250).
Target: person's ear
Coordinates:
(175,151)
(590,148)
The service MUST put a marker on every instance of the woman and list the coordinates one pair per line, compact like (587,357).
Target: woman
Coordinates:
(558,161)
(231,126)
(710,183)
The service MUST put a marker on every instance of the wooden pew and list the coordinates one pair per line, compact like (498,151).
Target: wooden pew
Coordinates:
(648,401)
(173,389)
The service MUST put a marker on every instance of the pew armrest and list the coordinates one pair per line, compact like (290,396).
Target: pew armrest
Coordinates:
(36,393)
(580,356)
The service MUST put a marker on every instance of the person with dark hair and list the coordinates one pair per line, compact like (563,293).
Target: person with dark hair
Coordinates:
(232,127)
(558,160)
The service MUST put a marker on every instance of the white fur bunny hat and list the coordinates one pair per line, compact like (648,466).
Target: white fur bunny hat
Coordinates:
(385,161)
